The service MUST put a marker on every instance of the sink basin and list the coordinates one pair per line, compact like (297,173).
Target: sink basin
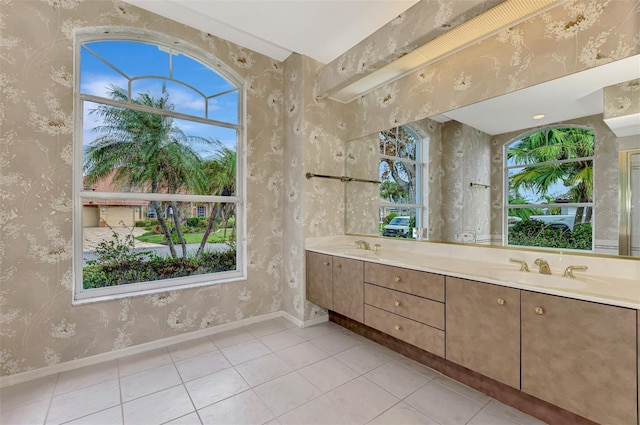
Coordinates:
(533,278)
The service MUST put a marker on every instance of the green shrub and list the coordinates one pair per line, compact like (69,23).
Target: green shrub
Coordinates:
(143,223)
(193,221)
(539,234)
(153,267)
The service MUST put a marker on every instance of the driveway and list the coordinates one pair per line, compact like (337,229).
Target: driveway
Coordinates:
(92,236)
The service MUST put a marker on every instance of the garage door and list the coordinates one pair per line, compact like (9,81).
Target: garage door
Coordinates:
(90,216)
(116,215)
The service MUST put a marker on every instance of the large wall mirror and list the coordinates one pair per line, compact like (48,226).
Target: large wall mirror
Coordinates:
(482,173)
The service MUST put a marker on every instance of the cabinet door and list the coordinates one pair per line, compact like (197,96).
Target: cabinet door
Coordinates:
(580,356)
(348,288)
(319,279)
(483,329)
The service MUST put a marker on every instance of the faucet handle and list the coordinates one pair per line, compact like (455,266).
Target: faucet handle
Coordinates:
(569,270)
(359,243)
(523,264)
(376,247)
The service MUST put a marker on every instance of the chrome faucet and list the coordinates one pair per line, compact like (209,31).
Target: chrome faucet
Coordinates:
(569,270)
(363,245)
(544,266)
(523,264)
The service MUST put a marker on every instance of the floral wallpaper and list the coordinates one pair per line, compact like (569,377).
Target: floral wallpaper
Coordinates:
(313,140)
(465,160)
(38,324)
(622,99)
(363,199)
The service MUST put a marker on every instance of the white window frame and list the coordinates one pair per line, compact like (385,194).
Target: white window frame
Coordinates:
(418,206)
(505,195)
(83,296)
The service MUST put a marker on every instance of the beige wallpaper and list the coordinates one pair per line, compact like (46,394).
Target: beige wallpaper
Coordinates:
(363,199)
(313,140)
(466,159)
(38,325)
(622,99)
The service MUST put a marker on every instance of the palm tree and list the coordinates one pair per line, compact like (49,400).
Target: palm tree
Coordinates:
(221,178)
(147,152)
(542,149)
(391,191)
(398,142)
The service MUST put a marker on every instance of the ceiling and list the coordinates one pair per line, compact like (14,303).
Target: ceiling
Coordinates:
(319,29)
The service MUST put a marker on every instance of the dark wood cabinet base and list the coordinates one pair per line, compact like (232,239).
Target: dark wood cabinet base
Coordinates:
(501,392)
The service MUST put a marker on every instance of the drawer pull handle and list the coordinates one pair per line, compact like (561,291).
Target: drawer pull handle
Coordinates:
(396,279)
(539,310)
(338,265)
(326,263)
(397,327)
(397,303)
(500,301)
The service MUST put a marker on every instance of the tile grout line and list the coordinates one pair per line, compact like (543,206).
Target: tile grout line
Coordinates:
(53,393)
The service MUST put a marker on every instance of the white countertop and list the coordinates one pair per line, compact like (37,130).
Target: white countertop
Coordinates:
(608,281)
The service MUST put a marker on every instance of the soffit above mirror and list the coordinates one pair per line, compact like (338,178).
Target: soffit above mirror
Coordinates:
(576,95)
(374,69)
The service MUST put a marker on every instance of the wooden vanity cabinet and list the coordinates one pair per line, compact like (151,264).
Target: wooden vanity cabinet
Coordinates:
(348,288)
(336,284)
(320,279)
(580,356)
(483,329)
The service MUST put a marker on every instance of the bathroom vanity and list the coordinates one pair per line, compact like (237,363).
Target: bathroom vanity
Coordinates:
(570,342)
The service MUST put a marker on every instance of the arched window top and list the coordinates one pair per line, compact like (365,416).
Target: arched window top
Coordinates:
(143,66)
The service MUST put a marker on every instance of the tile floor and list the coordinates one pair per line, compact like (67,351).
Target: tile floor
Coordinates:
(267,373)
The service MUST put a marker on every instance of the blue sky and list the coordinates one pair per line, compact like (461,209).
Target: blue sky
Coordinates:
(136,59)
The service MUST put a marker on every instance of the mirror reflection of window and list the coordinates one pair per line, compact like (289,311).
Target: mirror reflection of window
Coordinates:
(400,175)
(549,176)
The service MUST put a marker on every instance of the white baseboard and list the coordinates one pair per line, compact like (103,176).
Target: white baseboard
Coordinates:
(305,323)
(29,375)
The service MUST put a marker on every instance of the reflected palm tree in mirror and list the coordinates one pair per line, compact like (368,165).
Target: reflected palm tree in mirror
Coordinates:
(555,156)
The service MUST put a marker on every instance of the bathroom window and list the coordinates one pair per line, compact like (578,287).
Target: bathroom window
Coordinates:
(400,176)
(549,185)
(158,178)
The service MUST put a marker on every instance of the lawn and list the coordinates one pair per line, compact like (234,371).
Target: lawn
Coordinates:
(217,237)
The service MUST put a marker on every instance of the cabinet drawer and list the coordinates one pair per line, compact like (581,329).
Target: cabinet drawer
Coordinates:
(415,308)
(415,333)
(423,284)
